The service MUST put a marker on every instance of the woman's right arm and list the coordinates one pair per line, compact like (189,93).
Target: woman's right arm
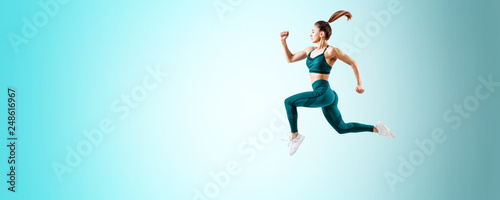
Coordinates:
(290,58)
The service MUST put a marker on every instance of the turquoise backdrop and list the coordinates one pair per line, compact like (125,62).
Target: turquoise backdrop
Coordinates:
(185,100)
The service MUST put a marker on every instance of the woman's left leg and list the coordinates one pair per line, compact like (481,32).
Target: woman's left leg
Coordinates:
(334,117)
(303,99)
(321,95)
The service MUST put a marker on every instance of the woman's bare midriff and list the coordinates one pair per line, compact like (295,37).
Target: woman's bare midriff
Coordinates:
(316,76)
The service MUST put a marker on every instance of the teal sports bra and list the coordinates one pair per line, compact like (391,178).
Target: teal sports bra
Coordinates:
(318,64)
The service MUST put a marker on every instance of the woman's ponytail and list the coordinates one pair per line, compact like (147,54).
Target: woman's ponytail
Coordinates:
(325,26)
(339,14)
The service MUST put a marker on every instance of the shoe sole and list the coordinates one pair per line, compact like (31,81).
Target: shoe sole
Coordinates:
(298,145)
(390,135)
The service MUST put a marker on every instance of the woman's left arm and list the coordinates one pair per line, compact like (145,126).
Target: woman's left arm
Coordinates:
(348,60)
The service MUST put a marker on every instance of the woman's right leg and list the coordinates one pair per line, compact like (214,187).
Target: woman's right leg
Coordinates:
(334,117)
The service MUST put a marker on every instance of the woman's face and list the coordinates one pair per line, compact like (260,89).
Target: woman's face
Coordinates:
(315,34)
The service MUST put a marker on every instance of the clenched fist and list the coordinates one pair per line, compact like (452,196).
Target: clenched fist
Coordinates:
(284,35)
(360,89)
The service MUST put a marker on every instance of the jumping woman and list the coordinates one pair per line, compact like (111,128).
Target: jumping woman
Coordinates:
(319,61)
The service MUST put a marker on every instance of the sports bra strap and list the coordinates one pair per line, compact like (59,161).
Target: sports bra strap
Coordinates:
(326,48)
(315,48)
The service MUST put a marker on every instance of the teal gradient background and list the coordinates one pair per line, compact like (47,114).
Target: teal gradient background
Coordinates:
(226,84)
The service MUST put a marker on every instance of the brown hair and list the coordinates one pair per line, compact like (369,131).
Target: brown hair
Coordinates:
(325,26)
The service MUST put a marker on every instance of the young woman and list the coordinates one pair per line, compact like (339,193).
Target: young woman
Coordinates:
(319,61)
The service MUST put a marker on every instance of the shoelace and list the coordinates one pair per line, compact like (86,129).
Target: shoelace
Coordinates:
(380,132)
(289,140)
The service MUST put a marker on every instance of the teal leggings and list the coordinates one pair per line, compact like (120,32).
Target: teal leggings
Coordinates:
(326,98)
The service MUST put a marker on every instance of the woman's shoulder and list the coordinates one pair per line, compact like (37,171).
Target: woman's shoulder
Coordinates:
(308,50)
(332,52)
(331,48)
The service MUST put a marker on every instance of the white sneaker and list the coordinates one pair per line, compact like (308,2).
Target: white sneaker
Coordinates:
(295,143)
(383,130)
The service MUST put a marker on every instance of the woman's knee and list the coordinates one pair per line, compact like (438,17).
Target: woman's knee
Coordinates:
(287,101)
(341,131)
(341,128)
